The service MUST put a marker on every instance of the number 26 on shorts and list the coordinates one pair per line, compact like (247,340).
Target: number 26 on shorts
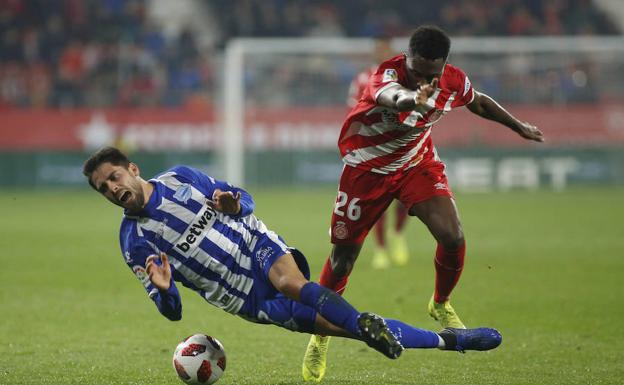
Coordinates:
(353,211)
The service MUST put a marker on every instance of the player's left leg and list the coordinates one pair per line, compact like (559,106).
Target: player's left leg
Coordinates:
(427,194)
(411,337)
(285,276)
(440,215)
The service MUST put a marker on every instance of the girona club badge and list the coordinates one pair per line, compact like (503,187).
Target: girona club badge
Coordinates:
(340,230)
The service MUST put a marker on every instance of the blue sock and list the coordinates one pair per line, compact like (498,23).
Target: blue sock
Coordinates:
(411,337)
(331,306)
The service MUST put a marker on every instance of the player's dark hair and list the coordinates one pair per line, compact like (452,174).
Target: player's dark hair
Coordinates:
(429,42)
(110,155)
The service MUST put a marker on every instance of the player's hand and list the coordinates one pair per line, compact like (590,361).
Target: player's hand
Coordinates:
(159,275)
(529,131)
(226,202)
(425,91)
(410,100)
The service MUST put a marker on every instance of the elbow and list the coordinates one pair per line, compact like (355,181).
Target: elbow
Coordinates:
(173,316)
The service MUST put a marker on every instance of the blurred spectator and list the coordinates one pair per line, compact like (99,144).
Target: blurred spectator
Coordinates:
(71,53)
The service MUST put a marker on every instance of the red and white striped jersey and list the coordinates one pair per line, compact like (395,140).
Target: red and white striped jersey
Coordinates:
(384,140)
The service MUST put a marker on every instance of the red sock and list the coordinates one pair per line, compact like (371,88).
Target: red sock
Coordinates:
(448,265)
(330,281)
(401,216)
(380,230)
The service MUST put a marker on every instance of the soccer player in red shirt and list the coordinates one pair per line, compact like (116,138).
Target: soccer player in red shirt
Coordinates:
(388,153)
(397,252)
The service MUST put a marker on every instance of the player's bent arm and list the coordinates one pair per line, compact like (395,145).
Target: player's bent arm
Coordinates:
(165,294)
(398,97)
(247,203)
(405,99)
(245,200)
(488,108)
(168,302)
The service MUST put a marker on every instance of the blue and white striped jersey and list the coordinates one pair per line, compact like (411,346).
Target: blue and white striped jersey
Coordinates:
(209,252)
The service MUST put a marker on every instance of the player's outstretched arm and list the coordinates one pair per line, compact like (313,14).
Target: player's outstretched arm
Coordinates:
(404,99)
(488,108)
(167,299)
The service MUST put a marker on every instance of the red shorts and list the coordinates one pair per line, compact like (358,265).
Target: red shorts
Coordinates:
(364,195)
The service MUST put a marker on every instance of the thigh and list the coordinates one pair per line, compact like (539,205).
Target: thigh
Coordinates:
(440,215)
(362,197)
(422,183)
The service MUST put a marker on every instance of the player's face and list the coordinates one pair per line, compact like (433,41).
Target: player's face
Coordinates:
(120,185)
(422,71)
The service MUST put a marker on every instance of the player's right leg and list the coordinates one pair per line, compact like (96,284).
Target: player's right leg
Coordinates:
(361,199)
(334,276)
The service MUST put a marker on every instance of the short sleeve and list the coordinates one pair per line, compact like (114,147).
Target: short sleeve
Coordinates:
(136,250)
(465,92)
(386,76)
(207,185)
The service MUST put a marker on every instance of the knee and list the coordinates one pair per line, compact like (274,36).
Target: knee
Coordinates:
(289,287)
(452,240)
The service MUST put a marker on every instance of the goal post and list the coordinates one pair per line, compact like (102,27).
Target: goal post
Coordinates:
(288,94)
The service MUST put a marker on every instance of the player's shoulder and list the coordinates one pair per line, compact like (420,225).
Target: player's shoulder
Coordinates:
(453,74)
(455,79)
(131,239)
(391,70)
(181,174)
(396,63)
(179,171)
(128,229)
(128,233)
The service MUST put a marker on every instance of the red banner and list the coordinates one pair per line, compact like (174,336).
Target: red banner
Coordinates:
(286,128)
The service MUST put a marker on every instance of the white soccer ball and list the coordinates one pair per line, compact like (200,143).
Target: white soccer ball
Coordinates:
(199,360)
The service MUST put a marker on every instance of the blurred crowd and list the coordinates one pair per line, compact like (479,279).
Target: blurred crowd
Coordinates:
(98,53)
(72,53)
(399,17)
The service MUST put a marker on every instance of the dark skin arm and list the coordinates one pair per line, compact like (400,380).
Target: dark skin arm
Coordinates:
(488,108)
(404,99)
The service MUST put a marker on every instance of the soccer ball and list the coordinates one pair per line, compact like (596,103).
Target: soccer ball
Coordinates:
(199,360)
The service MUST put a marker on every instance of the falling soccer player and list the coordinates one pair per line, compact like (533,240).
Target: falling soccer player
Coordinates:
(186,227)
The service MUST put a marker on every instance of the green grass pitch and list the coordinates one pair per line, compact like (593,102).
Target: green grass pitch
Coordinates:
(545,268)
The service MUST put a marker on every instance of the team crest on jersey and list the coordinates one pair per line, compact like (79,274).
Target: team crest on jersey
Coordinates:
(340,230)
(263,254)
(183,193)
(390,75)
(141,274)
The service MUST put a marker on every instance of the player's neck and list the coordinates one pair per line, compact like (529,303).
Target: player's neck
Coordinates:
(148,189)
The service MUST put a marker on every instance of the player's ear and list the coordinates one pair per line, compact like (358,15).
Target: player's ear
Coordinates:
(134,169)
